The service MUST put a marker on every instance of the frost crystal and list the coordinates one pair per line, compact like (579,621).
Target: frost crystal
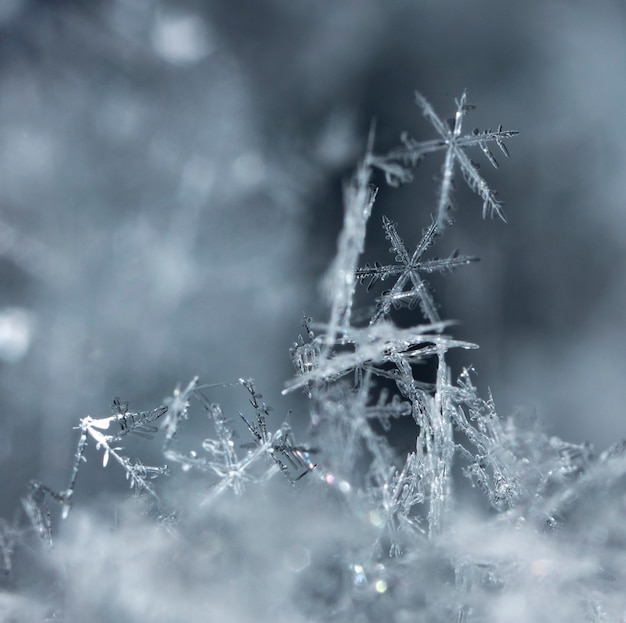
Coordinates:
(339,285)
(263,457)
(138,474)
(407,270)
(453,143)
(379,518)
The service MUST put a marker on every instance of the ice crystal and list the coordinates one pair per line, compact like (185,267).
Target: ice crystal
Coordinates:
(407,271)
(137,474)
(267,453)
(454,144)
(9,535)
(177,409)
(340,283)
(368,528)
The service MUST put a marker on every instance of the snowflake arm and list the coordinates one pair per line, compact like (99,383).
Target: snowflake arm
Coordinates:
(177,410)
(339,283)
(378,344)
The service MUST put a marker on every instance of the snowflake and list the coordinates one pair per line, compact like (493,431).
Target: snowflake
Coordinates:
(454,144)
(408,269)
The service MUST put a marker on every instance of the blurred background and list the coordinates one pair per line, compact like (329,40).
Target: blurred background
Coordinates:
(170,197)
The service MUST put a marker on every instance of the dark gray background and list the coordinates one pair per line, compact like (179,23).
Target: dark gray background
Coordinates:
(170,196)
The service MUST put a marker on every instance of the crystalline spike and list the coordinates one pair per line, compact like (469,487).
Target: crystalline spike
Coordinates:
(489,154)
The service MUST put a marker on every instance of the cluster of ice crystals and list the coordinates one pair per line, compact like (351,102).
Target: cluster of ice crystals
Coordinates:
(376,522)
